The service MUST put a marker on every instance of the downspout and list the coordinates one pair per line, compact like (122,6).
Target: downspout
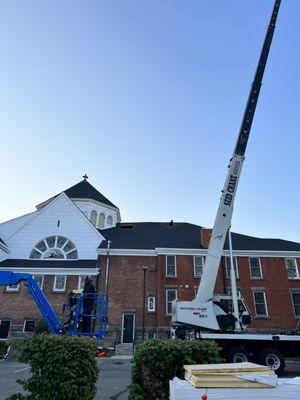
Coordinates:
(107,266)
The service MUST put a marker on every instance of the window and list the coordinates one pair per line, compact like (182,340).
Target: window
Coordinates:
(171,266)
(151,303)
(198,266)
(54,247)
(29,325)
(4,329)
(255,268)
(12,288)
(151,335)
(292,268)
(81,280)
(260,303)
(101,221)
(59,283)
(39,280)
(235,266)
(109,220)
(93,217)
(171,294)
(296,303)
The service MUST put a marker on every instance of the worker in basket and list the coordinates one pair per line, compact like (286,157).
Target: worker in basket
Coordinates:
(88,303)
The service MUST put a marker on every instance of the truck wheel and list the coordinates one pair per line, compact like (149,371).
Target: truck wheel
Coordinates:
(273,359)
(237,355)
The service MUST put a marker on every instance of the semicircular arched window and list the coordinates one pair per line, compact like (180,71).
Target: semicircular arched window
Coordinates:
(54,248)
(109,220)
(101,220)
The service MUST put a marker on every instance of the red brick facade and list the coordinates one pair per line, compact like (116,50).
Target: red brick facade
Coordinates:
(126,280)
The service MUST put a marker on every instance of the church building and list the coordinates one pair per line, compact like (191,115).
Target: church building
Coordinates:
(143,266)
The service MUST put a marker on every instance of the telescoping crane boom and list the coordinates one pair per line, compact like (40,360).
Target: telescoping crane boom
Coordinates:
(206,310)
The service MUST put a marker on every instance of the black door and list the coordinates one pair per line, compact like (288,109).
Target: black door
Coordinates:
(4,329)
(128,328)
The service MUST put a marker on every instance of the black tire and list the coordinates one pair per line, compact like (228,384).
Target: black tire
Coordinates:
(238,354)
(273,359)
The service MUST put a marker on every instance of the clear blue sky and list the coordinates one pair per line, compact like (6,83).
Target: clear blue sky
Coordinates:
(146,97)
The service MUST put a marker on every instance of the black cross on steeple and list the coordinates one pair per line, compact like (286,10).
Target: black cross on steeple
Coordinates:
(85,177)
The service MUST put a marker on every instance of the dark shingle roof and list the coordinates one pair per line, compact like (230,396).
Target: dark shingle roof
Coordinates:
(83,190)
(20,263)
(149,235)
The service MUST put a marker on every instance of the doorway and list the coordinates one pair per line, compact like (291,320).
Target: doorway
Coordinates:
(128,321)
(4,329)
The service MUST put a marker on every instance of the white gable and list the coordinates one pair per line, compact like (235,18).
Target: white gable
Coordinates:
(60,217)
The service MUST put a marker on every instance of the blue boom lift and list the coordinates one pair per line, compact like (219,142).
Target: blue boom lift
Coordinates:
(76,313)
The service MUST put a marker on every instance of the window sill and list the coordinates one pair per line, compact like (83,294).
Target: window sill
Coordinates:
(58,291)
(257,318)
(171,276)
(11,291)
(294,279)
(256,279)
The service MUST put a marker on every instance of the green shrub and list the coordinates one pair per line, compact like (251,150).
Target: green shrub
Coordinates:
(62,368)
(157,361)
(3,348)
(41,327)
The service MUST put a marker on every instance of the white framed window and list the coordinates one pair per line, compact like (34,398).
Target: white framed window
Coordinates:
(235,266)
(101,221)
(255,268)
(296,302)
(109,220)
(151,303)
(198,266)
(260,303)
(171,294)
(29,325)
(81,280)
(93,217)
(171,266)
(53,248)
(39,280)
(13,288)
(59,283)
(292,268)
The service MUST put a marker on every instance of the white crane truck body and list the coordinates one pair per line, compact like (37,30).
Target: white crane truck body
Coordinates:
(205,316)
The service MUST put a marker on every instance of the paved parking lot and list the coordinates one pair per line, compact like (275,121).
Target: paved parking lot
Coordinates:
(113,382)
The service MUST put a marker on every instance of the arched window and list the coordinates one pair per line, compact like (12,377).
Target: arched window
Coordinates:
(109,220)
(93,217)
(101,221)
(54,247)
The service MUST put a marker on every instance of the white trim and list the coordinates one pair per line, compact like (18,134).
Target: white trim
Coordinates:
(261,274)
(43,276)
(133,326)
(56,271)
(203,262)
(4,248)
(228,267)
(54,284)
(199,252)
(265,301)
(294,291)
(148,303)
(96,202)
(80,279)
(296,268)
(9,288)
(166,261)
(31,320)
(166,294)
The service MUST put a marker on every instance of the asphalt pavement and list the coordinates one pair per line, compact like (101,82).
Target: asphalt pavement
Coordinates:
(113,383)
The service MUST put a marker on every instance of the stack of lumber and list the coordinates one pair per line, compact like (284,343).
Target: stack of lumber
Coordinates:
(237,375)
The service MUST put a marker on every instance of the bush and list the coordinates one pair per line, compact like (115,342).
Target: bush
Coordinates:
(157,361)
(41,327)
(62,368)
(3,348)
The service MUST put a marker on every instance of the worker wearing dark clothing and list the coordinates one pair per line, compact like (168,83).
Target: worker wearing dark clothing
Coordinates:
(88,304)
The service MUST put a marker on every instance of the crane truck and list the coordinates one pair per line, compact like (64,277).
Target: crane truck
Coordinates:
(80,307)
(225,318)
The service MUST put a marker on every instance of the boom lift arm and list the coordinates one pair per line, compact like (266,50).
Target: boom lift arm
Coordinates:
(8,278)
(201,311)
